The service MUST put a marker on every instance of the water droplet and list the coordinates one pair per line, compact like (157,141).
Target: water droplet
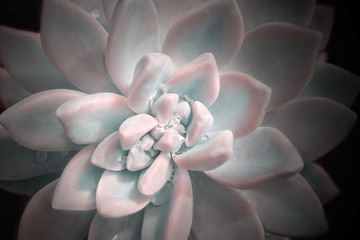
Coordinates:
(163,196)
(41,157)
(204,139)
(95,12)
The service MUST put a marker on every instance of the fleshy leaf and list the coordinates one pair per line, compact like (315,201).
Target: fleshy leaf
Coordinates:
(32,122)
(76,50)
(320,182)
(240,105)
(264,155)
(40,221)
(322,21)
(18,162)
(313,125)
(108,154)
(91,118)
(10,91)
(154,178)
(332,82)
(198,80)
(170,11)
(209,154)
(171,221)
(133,128)
(95,8)
(151,70)
(134,32)
(215,28)
(128,227)
(269,236)
(221,213)
(28,186)
(288,207)
(257,12)
(24,59)
(281,55)
(164,107)
(77,185)
(117,194)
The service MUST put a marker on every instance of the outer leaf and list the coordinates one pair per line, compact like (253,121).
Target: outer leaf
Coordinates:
(221,213)
(91,118)
(288,207)
(40,221)
(215,28)
(134,32)
(171,221)
(18,162)
(77,185)
(264,155)
(32,121)
(240,105)
(10,91)
(332,82)
(257,12)
(25,60)
(28,186)
(95,8)
(313,125)
(281,55)
(320,182)
(76,50)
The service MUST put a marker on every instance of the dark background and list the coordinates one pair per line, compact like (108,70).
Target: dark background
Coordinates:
(343,213)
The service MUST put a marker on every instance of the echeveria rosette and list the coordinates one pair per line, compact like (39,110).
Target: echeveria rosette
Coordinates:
(170,91)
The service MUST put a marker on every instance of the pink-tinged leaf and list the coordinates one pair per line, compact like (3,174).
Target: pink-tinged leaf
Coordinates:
(221,213)
(109,154)
(170,11)
(164,107)
(320,182)
(95,9)
(313,125)
(128,227)
(257,12)
(281,55)
(198,80)
(18,162)
(76,50)
(24,59)
(137,159)
(154,178)
(32,121)
(109,7)
(171,141)
(91,118)
(322,21)
(40,221)
(10,91)
(241,104)
(77,185)
(134,32)
(28,186)
(215,28)
(264,155)
(288,207)
(117,194)
(172,220)
(200,123)
(332,82)
(133,128)
(152,70)
(183,110)
(209,154)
